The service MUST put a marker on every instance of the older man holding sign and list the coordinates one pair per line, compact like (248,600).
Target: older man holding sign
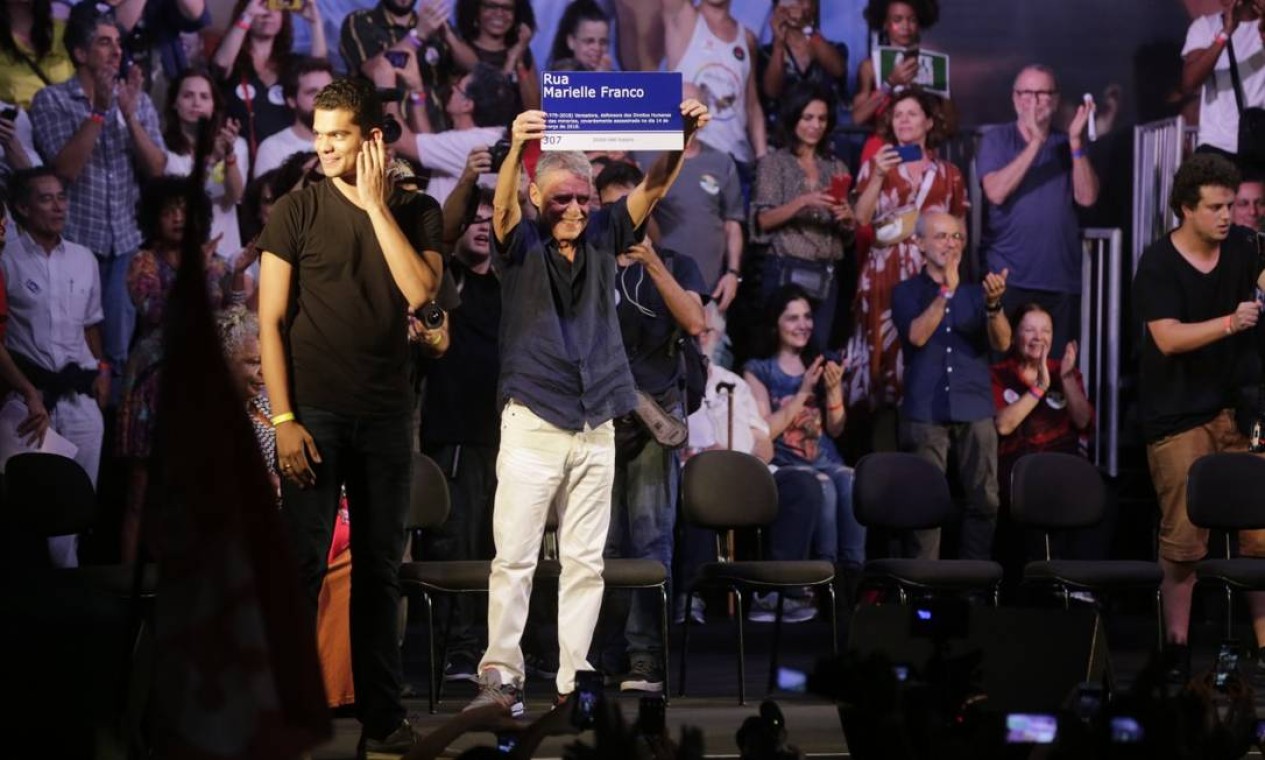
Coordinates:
(564,378)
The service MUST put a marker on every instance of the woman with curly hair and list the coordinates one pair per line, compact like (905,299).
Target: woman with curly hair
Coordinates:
(161,215)
(893,195)
(251,59)
(499,33)
(899,23)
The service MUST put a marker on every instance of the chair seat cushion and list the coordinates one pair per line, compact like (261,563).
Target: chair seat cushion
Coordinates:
(936,573)
(634,572)
(1245,573)
(457,575)
(771,573)
(1093,574)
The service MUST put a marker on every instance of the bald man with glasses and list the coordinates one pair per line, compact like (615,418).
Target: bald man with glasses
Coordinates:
(1034,176)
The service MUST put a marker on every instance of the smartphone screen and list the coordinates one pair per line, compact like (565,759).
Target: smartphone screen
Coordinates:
(1031,728)
(505,743)
(588,687)
(1126,730)
(1227,663)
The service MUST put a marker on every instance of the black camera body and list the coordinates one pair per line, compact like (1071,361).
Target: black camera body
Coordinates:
(499,151)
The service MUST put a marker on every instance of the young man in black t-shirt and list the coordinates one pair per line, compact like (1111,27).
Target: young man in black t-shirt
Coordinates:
(1196,292)
(340,270)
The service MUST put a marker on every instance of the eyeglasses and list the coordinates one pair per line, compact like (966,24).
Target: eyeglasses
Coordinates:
(956,237)
(1036,94)
(565,199)
(498,7)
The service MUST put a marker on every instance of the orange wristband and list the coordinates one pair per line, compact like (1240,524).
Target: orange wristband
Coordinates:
(1229,325)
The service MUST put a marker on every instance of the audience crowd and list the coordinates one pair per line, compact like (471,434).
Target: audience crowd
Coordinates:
(106,107)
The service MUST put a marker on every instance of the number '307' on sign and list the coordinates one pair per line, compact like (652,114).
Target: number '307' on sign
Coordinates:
(599,110)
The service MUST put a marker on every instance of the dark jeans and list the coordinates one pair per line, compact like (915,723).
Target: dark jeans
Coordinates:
(799,504)
(465,535)
(975,445)
(372,457)
(1064,308)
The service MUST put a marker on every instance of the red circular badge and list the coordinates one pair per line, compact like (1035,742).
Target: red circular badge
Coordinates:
(739,53)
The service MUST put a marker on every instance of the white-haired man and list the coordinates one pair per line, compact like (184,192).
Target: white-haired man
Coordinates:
(564,378)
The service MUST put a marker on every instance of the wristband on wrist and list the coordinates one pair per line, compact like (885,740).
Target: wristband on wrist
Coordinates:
(243,22)
(415,39)
(230,159)
(97,117)
(1078,153)
(1221,38)
(993,308)
(281,419)
(103,366)
(945,293)
(417,97)
(834,407)
(1037,392)
(1229,324)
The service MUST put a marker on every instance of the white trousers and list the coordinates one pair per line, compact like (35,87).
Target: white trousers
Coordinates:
(77,418)
(540,464)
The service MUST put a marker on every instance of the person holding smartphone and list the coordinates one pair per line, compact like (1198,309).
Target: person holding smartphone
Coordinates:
(904,179)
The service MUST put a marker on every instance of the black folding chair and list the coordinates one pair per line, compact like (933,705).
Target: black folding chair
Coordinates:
(1223,492)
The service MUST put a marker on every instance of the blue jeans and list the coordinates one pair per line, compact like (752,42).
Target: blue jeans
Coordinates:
(372,456)
(839,538)
(643,519)
(120,312)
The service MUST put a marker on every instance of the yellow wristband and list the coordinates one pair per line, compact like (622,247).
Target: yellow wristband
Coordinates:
(282,418)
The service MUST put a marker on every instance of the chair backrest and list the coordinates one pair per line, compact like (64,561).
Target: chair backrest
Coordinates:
(428,499)
(48,495)
(1224,492)
(899,491)
(728,489)
(1056,491)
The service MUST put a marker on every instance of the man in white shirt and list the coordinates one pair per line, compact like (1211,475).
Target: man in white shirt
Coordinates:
(1206,70)
(299,85)
(479,107)
(54,292)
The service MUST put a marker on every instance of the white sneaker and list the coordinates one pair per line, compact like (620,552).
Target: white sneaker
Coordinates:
(697,607)
(794,609)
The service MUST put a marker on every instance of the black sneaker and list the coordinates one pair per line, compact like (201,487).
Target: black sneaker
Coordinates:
(493,692)
(393,746)
(644,675)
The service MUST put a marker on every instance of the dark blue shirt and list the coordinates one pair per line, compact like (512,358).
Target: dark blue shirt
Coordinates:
(947,379)
(1035,233)
(647,326)
(561,352)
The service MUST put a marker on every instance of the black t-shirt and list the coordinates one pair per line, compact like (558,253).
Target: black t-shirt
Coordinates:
(348,331)
(646,325)
(1183,391)
(460,404)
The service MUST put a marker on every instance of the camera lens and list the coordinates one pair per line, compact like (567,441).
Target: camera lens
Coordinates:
(431,316)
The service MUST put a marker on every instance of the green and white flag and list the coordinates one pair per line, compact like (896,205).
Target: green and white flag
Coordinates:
(933,67)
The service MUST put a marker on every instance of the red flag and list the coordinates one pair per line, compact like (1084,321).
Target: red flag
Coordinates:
(237,668)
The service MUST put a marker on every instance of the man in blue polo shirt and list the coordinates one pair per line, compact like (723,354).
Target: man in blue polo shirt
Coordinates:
(1034,176)
(946,330)
(564,378)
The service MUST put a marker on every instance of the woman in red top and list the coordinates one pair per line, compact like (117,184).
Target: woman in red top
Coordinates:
(1041,406)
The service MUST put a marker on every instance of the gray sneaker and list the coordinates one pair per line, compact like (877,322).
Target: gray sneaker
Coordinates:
(644,675)
(794,609)
(394,745)
(493,692)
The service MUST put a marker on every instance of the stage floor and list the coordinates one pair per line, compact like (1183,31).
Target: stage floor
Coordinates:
(711,704)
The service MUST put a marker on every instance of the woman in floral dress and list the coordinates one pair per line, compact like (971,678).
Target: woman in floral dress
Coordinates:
(892,195)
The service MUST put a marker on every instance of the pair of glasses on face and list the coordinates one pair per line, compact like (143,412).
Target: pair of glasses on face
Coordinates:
(956,237)
(1036,94)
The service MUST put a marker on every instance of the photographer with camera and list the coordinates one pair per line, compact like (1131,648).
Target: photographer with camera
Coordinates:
(342,260)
